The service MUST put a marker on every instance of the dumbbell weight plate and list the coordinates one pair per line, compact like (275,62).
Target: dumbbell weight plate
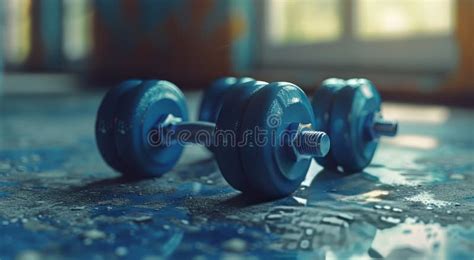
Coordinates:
(273,172)
(208,107)
(105,124)
(322,102)
(229,121)
(211,103)
(352,106)
(140,111)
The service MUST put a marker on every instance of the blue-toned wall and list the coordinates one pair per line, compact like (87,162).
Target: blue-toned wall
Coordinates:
(188,42)
(243,52)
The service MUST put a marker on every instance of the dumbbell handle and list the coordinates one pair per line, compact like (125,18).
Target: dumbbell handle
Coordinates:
(306,143)
(384,127)
(198,132)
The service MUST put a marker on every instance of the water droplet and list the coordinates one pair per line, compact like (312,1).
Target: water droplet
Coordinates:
(398,210)
(94,234)
(390,220)
(234,217)
(185,222)
(267,228)
(334,221)
(78,208)
(235,245)
(140,219)
(166,227)
(309,231)
(377,206)
(429,208)
(304,244)
(345,216)
(449,212)
(459,218)
(209,182)
(121,251)
(387,207)
(273,216)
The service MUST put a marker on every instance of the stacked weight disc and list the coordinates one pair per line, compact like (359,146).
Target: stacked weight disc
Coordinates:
(347,111)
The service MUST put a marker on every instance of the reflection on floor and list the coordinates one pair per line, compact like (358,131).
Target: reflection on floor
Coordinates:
(58,198)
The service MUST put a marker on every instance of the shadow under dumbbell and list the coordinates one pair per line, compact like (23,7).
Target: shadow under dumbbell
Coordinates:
(330,174)
(334,185)
(242,200)
(325,180)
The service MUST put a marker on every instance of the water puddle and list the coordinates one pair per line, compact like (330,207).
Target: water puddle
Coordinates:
(413,173)
(428,241)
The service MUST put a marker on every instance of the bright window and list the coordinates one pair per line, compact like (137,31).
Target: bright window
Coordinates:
(401,34)
(383,19)
(77,29)
(17,31)
(305,21)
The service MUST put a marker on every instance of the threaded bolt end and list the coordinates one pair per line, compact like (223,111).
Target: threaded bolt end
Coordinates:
(312,143)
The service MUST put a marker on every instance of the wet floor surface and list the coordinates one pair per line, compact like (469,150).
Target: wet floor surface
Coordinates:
(58,198)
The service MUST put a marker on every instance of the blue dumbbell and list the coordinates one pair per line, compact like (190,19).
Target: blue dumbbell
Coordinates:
(211,102)
(263,138)
(349,111)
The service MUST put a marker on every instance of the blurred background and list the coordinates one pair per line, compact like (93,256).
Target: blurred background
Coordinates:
(414,50)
